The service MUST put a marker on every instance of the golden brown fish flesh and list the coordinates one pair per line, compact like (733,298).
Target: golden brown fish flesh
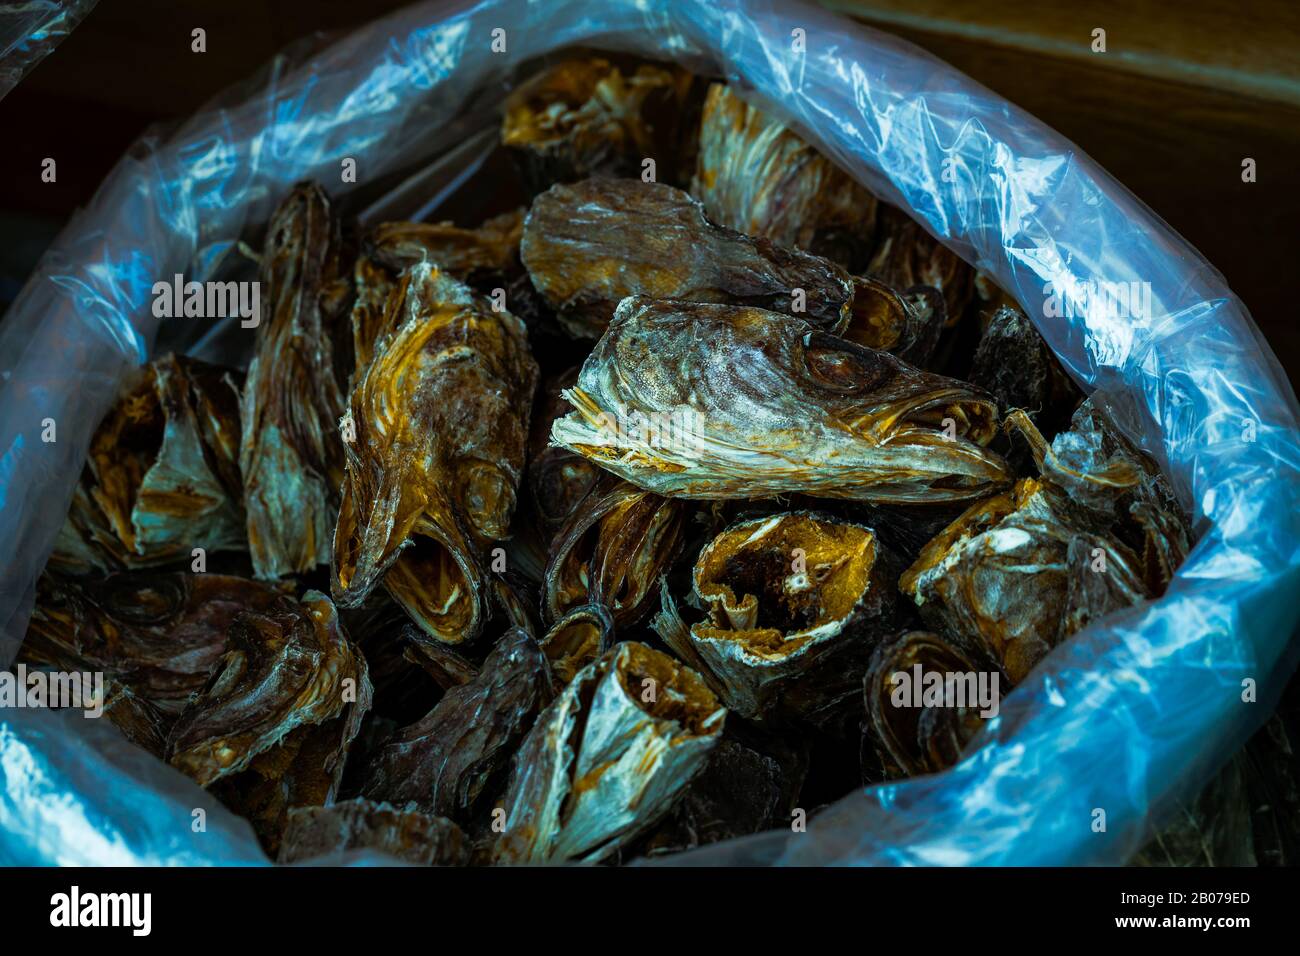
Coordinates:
(796,603)
(440,418)
(291,454)
(576,640)
(1100,469)
(607,758)
(711,401)
(288,668)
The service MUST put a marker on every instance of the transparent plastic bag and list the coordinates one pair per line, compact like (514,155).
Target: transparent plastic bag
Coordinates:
(1130,717)
(29,32)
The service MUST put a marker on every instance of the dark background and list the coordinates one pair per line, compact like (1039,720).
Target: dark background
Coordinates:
(1182,95)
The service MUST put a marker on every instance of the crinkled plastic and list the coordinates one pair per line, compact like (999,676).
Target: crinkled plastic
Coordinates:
(29,32)
(1130,717)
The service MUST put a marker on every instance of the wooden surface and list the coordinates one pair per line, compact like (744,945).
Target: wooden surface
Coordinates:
(1182,94)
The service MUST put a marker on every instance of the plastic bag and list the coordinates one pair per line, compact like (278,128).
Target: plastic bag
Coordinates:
(30,31)
(1128,717)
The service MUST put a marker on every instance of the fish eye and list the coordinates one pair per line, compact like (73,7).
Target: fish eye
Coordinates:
(842,366)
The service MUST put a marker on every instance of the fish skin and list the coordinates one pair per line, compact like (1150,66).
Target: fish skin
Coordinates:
(602,764)
(446,762)
(161,475)
(589,245)
(291,456)
(755,175)
(283,670)
(770,405)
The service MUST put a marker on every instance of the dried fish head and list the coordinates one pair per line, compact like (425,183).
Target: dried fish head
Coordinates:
(612,550)
(438,451)
(445,762)
(912,739)
(586,116)
(607,758)
(756,176)
(577,639)
(1001,574)
(759,404)
(1014,363)
(1096,466)
(291,456)
(162,473)
(590,245)
(291,667)
(795,604)
(157,634)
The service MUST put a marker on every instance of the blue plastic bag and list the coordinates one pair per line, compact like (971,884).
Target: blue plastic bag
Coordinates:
(1130,716)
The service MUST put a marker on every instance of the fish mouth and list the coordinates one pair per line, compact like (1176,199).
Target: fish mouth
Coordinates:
(438,583)
(946,414)
(771,608)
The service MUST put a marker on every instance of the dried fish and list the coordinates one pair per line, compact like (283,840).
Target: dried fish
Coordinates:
(287,668)
(487,253)
(590,245)
(607,758)
(576,640)
(907,325)
(141,722)
(615,545)
(158,634)
(557,478)
(493,247)
(912,740)
(162,473)
(440,423)
(907,256)
(291,455)
(710,401)
(754,175)
(796,603)
(446,762)
(1014,364)
(739,792)
(406,835)
(374,284)
(585,116)
(1020,572)
(1097,467)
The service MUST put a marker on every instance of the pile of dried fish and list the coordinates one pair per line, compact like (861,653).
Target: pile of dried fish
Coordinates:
(666,505)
